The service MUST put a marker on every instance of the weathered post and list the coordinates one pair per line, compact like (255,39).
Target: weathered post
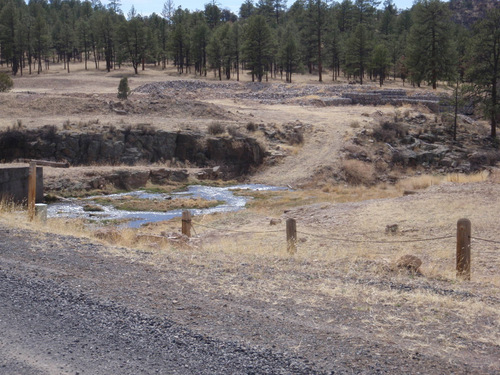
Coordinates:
(186,223)
(291,236)
(31,190)
(463,248)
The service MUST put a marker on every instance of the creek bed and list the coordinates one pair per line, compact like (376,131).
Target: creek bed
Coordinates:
(74,208)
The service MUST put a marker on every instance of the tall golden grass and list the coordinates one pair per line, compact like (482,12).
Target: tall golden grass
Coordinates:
(427,180)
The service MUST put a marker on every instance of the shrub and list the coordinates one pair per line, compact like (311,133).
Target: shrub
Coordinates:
(233,131)
(216,128)
(251,127)
(123,89)
(389,131)
(358,173)
(6,82)
(354,124)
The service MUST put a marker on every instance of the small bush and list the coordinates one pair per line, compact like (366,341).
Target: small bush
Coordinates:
(18,125)
(389,131)
(251,127)
(6,82)
(233,131)
(216,128)
(295,138)
(357,172)
(123,89)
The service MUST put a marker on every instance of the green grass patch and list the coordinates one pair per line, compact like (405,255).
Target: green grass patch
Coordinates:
(128,203)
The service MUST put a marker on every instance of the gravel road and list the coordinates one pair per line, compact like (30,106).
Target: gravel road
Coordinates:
(49,328)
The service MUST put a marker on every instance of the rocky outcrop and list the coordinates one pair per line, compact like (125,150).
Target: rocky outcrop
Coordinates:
(111,146)
(122,178)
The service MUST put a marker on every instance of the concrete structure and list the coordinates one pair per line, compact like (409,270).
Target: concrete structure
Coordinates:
(14,184)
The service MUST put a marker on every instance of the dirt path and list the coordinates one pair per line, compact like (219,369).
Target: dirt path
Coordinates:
(327,130)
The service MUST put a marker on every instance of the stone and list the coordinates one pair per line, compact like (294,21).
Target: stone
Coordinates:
(391,229)
(130,180)
(180,175)
(275,221)
(160,176)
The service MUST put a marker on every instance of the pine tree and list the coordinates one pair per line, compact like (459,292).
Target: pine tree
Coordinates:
(8,28)
(289,51)
(430,52)
(358,52)
(257,46)
(123,89)
(484,66)
(133,39)
(215,50)
(380,62)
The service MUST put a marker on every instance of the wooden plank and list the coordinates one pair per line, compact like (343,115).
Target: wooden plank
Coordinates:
(46,163)
(32,191)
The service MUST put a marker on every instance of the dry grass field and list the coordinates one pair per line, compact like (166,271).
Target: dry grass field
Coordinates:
(342,287)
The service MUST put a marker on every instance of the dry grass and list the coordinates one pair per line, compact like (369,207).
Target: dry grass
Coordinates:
(358,172)
(425,181)
(129,203)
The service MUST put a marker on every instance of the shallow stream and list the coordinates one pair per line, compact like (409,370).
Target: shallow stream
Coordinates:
(73,208)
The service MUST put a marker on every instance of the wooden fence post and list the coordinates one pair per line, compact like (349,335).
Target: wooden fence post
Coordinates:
(463,248)
(291,236)
(31,191)
(186,223)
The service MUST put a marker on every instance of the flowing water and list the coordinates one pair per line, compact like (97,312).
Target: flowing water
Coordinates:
(230,203)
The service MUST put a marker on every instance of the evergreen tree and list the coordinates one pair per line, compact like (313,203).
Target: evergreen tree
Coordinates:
(333,46)
(316,11)
(257,46)
(212,15)
(8,28)
(115,6)
(484,66)
(380,62)
(201,36)
(430,52)
(215,50)
(123,88)
(235,45)
(358,52)
(40,37)
(133,40)
(247,9)
(289,51)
